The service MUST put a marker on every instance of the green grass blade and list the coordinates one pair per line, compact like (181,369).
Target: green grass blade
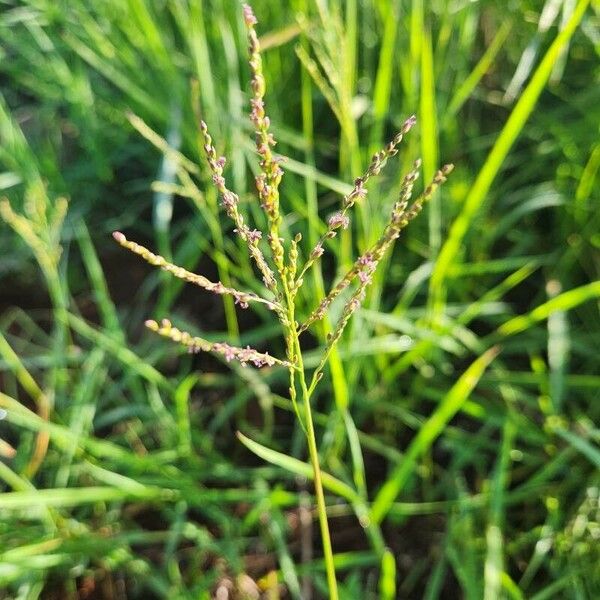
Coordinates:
(499,152)
(106,307)
(429,138)
(64,497)
(591,452)
(563,302)
(494,561)
(481,68)
(293,465)
(387,578)
(124,355)
(431,429)
(383,79)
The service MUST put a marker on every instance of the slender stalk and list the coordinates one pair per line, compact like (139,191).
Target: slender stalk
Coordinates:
(294,347)
(321,508)
(314,459)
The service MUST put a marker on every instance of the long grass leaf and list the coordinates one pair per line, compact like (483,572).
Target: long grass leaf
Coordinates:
(499,152)
(563,302)
(293,465)
(431,429)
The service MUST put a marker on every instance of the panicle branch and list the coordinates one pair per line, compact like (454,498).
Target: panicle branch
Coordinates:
(359,192)
(230,202)
(241,298)
(365,265)
(196,344)
(268,180)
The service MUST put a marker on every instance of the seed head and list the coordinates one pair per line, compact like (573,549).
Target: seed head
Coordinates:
(338,220)
(249,17)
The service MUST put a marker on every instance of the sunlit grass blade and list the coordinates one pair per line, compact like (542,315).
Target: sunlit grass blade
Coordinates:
(429,137)
(496,157)
(387,577)
(63,497)
(430,430)
(563,302)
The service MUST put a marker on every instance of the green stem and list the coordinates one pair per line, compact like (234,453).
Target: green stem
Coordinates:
(294,342)
(314,459)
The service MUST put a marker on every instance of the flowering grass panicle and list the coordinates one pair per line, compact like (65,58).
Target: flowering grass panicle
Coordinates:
(268,180)
(230,202)
(282,276)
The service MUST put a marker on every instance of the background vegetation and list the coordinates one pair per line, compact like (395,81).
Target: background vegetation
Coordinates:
(121,473)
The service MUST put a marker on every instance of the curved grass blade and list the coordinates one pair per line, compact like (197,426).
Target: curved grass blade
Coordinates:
(449,406)
(563,302)
(499,152)
(293,465)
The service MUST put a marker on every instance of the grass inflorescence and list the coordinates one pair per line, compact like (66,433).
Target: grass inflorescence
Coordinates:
(452,377)
(279,273)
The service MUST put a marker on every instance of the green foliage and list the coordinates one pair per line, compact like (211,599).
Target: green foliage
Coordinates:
(119,464)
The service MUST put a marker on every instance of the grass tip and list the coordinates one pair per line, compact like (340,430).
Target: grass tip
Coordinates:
(494,351)
(151,324)
(249,17)
(409,123)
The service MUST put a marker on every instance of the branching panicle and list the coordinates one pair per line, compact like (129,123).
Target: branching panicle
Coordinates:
(230,202)
(282,277)
(365,265)
(267,182)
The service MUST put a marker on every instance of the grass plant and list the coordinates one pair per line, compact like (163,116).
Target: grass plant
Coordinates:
(456,418)
(283,277)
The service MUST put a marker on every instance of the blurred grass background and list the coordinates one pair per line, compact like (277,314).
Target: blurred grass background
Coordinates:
(120,471)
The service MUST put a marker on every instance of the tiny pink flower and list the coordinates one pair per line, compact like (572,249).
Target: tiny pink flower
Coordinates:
(253,235)
(229,200)
(218,180)
(338,220)
(249,17)
(241,301)
(317,251)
